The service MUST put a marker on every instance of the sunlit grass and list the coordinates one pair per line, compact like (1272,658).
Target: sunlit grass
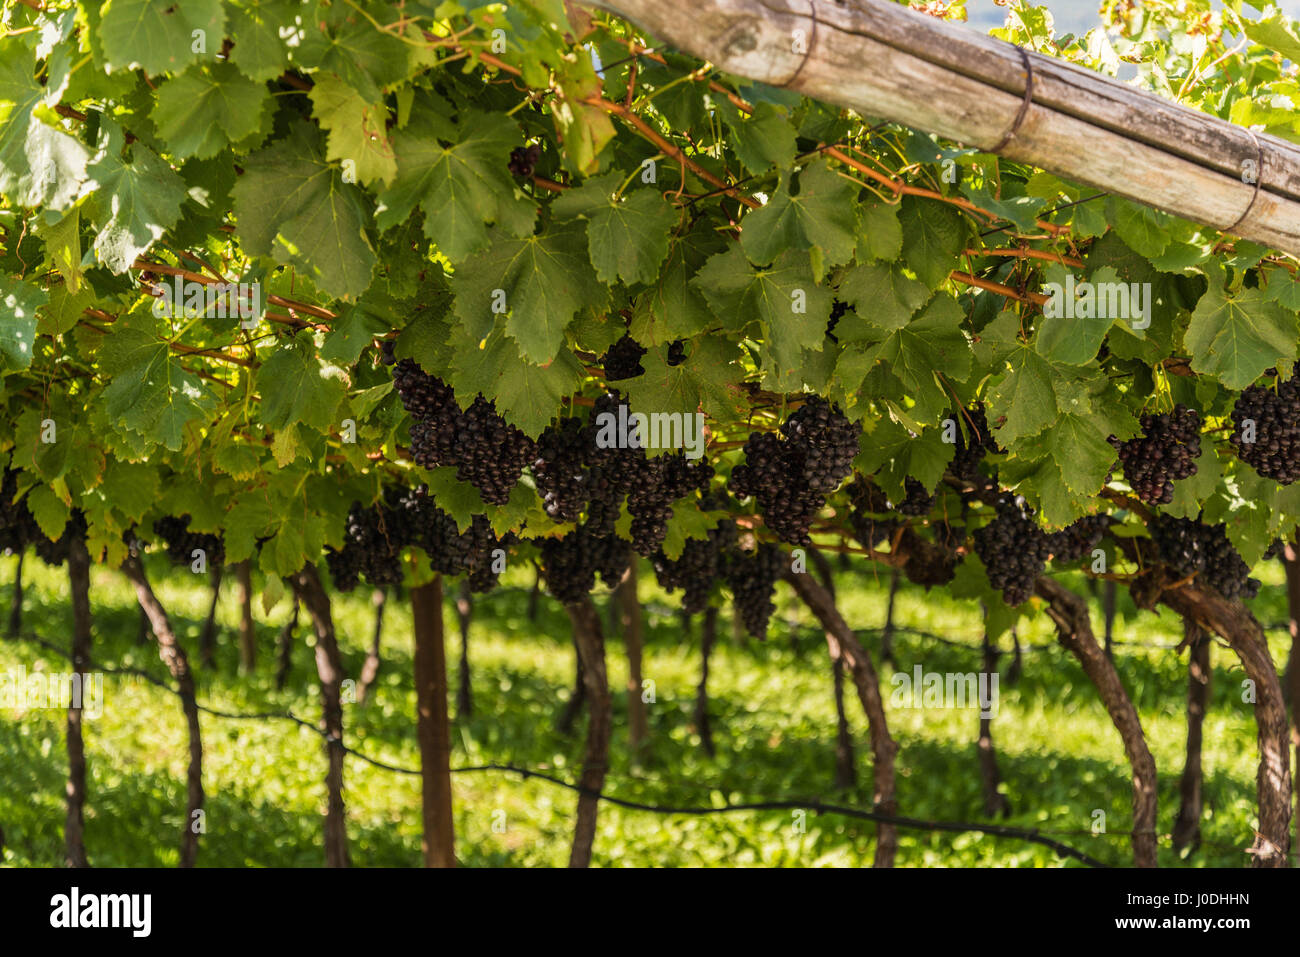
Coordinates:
(773,717)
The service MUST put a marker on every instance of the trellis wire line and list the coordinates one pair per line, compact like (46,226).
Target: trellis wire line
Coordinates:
(1004,830)
(819,807)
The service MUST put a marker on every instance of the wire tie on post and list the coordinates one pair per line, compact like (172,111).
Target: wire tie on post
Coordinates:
(1024,104)
(812,40)
(1259,177)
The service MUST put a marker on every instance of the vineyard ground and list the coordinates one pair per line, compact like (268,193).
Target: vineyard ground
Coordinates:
(774,726)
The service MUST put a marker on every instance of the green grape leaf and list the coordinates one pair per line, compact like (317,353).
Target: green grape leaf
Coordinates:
(1088,219)
(457,174)
(297,387)
(997,341)
(892,453)
(934,235)
(352,333)
(142,197)
(543,281)
(1143,229)
(1045,489)
(357,132)
(206,108)
(18,324)
(583,128)
(62,240)
(882,292)
(131,488)
(248,519)
(458,499)
(1182,258)
(292,204)
(364,57)
(298,540)
(150,393)
(51,512)
(239,461)
(86,462)
(199,499)
(596,334)
(364,402)
(687,522)
(64,310)
(929,348)
(158,36)
(674,308)
(1074,330)
(1063,480)
(39,165)
(260,53)
(1245,516)
(524,507)
(32,453)
(1234,337)
(1022,211)
(763,139)
(628,236)
(880,234)
(287,445)
(823,214)
(528,395)
(790,307)
(1032,392)
(426,339)
(681,104)
(1283,287)
(1276,34)
(1191,493)
(708,379)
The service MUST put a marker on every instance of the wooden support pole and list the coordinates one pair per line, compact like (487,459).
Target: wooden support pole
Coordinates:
(885,60)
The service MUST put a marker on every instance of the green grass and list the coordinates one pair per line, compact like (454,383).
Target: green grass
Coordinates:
(774,726)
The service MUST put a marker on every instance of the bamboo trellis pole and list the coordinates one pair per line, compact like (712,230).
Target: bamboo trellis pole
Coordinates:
(884,60)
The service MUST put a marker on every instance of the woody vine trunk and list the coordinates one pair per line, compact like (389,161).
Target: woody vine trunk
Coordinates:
(1074,632)
(1291,562)
(329,669)
(846,773)
(843,644)
(370,669)
(1187,827)
(247,632)
(591,652)
(178,665)
(1233,622)
(700,716)
(79,584)
(208,636)
(995,802)
(630,621)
